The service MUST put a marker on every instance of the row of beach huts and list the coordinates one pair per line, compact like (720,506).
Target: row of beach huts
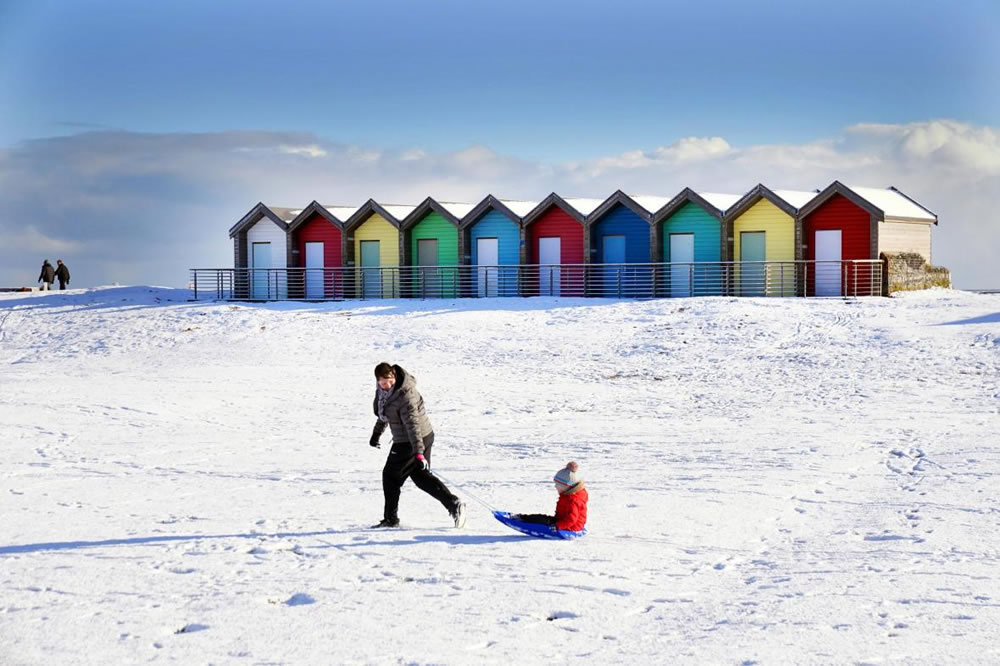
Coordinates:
(837,224)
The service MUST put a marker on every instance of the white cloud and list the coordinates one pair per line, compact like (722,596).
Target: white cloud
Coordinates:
(947,143)
(306,151)
(31,239)
(109,195)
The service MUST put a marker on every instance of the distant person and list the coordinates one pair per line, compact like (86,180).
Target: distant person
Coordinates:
(62,274)
(571,509)
(47,275)
(399,406)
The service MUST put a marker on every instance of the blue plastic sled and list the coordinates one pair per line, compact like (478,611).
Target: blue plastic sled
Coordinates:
(535,529)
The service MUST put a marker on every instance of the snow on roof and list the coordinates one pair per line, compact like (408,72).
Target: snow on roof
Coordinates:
(457,209)
(892,203)
(519,207)
(720,200)
(797,198)
(398,211)
(584,206)
(342,213)
(649,202)
(285,214)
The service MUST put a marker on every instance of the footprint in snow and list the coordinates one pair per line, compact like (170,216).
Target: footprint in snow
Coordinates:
(300,599)
(561,615)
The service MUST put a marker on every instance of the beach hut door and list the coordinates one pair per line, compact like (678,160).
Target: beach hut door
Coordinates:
(549,255)
(427,259)
(314,270)
(681,268)
(261,261)
(753,276)
(613,252)
(488,257)
(371,276)
(828,249)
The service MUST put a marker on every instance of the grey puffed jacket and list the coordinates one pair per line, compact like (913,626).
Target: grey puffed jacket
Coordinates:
(404,409)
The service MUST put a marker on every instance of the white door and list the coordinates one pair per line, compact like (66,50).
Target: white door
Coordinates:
(828,249)
(487,257)
(260,262)
(681,268)
(314,270)
(549,255)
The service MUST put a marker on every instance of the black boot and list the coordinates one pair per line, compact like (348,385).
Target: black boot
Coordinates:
(388,523)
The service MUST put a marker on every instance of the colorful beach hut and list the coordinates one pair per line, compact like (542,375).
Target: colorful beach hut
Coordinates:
(554,236)
(691,237)
(765,228)
(317,240)
(491,234)
(852,223)
(262,252)
(373,249)
(621,234)
(431,243)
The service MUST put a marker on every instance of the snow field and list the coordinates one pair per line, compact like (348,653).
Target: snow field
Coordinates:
(807,481)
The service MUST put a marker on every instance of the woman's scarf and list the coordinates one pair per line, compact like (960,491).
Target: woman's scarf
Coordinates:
(383,396)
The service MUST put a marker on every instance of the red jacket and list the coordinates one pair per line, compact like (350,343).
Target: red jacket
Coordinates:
(571,510)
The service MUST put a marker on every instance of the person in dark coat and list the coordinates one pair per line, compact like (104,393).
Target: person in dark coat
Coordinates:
(47,275)
(400,406)
(62,274)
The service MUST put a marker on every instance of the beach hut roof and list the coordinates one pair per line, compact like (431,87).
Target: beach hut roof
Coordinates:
(426,206)
(398,211)
(688,195)
(342,213)
(306,213)
(519,207)
(619,198)
(254,215)
(894,203)
(720,200)
(558,202)
(372,207)
(585,206)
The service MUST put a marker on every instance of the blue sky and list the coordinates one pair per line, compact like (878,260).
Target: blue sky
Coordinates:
(126,126)
(543,80)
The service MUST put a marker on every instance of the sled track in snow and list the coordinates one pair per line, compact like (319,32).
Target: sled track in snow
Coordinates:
(3,320)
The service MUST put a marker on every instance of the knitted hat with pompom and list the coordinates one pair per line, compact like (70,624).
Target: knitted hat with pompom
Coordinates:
(567,478)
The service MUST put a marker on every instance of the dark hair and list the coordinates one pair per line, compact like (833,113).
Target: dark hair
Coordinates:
(384,370)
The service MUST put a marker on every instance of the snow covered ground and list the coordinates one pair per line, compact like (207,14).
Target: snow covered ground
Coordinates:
(772,481)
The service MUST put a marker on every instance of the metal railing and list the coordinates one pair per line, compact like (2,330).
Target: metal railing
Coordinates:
(847,278)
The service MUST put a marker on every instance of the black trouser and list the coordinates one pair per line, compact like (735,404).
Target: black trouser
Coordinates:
(62,285)
(539,518)
(402,465)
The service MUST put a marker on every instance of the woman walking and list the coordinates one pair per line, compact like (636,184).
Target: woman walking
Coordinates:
(400,406)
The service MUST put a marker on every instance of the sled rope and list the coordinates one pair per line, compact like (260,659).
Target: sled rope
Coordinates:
(452,484)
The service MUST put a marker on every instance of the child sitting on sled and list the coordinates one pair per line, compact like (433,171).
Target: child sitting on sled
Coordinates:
(571,509)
